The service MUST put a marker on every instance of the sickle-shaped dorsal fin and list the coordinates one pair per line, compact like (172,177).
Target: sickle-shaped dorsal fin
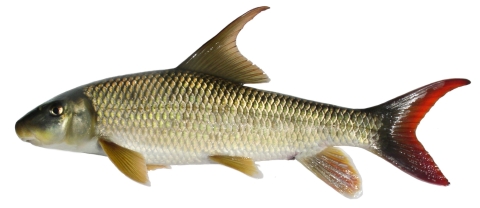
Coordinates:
(220,56)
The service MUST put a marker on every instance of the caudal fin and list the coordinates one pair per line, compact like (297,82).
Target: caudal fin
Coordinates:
(398,143)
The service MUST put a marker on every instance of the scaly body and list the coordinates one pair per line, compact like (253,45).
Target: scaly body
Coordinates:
(200,112)
(180,117)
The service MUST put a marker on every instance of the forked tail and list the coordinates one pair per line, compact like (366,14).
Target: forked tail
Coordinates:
(398,143)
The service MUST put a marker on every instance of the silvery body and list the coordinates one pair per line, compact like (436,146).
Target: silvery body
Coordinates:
(201,112)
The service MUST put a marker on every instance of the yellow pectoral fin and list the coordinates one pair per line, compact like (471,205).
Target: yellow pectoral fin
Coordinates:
(335,168)
(242,164)
(129,162)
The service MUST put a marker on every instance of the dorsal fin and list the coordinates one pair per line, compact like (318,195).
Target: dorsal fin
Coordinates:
(220,56)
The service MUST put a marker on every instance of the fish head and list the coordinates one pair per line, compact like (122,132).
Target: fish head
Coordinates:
(64,122)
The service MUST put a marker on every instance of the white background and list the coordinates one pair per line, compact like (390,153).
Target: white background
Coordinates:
(349,53)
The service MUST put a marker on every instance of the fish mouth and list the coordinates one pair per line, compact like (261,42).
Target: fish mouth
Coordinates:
(24,133)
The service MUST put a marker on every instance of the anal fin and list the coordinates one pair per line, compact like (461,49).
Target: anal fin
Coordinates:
(243,164)
(335,168)
(129,162)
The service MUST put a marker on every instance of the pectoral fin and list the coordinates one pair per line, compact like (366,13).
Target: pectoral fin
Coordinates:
(242,164)
(335,168)
(129,162)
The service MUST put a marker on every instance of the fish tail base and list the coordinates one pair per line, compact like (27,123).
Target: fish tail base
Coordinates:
(398,143)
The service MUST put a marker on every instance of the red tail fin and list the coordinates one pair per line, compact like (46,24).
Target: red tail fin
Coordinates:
(398,143)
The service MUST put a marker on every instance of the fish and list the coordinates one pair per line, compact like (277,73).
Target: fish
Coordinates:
(201,112)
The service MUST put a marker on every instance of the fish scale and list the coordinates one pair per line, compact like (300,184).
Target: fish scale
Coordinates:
(180,117)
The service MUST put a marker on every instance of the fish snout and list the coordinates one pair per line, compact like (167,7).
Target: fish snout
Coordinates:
(22,131)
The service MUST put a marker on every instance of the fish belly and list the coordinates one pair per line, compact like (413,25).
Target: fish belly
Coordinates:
(176,117)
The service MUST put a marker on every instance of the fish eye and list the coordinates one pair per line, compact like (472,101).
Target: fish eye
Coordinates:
(56,110)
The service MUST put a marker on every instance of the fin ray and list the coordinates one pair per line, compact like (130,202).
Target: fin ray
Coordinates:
(398,143)
(220,56)
(129,162)
(155,167)
(335,168)
(242,164)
